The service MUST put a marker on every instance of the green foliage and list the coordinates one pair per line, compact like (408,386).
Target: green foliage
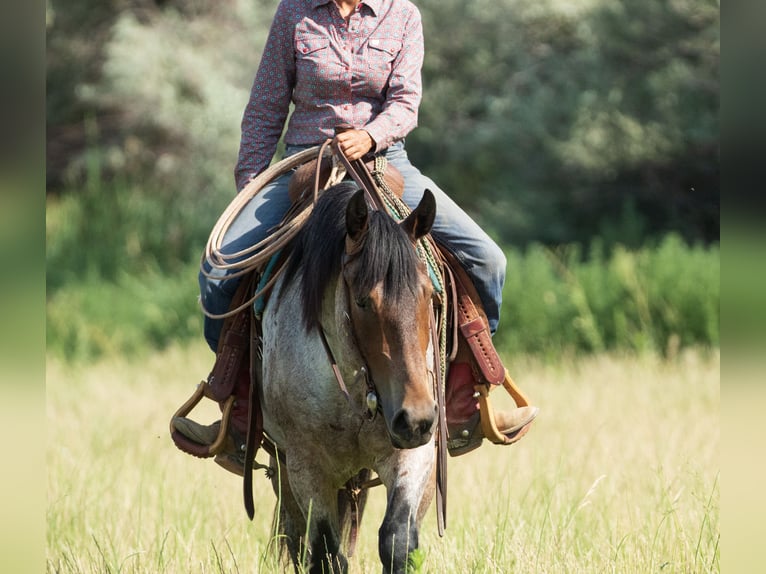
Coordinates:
(659,298)
(125,230)
(558,121)
(551,121)
(653,299)
(167,93)
(415,561)
(132,315)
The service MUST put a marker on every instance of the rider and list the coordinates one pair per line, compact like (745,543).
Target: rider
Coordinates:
(354,62)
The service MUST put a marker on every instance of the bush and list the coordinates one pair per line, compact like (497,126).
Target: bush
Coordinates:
(130,316)
(656,299)
(108,231)
(651,299)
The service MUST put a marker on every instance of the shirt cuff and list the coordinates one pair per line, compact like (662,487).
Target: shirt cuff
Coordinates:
(378,134)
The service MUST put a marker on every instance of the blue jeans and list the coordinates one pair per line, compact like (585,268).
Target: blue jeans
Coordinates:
(453,228)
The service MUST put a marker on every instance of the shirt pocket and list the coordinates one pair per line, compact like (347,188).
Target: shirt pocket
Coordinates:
(315,67)
(382,51)
(308,46)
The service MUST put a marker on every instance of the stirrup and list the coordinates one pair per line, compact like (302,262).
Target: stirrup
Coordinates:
(191,447)
(488,424)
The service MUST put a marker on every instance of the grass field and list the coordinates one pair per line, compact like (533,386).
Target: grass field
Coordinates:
(619,474)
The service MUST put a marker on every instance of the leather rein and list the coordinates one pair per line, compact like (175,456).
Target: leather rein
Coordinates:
(362,176)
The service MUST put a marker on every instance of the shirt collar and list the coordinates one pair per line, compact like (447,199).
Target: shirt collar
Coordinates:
(373,5)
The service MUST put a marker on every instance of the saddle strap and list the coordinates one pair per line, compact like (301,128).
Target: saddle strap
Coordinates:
(232,346)
(255,431)
(473,324)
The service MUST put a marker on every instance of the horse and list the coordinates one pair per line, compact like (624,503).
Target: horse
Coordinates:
(353,293)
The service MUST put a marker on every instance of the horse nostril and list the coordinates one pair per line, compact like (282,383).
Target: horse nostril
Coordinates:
(401,425)
(412,430)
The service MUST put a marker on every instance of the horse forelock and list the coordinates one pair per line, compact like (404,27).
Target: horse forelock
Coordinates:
(387,256)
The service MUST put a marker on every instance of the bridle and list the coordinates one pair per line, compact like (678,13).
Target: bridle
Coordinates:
(372,402)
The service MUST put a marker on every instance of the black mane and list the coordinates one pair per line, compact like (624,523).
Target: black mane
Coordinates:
(317,250)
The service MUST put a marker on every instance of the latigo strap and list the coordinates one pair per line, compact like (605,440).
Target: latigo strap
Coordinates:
(473,324)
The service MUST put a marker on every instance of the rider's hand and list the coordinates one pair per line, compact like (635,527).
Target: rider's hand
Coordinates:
(354,143)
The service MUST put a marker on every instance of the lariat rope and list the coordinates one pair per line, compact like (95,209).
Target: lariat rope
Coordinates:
(258,255)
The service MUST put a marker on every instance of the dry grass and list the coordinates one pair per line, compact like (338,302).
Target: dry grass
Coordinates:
(620,474)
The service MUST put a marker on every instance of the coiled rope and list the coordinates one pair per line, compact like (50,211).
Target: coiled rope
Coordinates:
(256,256)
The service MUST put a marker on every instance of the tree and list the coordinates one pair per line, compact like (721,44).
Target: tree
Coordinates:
(556,122)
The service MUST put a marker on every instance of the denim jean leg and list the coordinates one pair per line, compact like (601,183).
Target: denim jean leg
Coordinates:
(481,257)
(252,225)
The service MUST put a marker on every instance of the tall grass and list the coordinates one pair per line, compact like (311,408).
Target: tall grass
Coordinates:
(619,474)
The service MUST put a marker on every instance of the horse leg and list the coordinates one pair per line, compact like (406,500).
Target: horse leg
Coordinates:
(408,476)
(291,525)
(317,498)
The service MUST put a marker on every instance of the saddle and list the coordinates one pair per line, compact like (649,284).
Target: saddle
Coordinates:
(310,177)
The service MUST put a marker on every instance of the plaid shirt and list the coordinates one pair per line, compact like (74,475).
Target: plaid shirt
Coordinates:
(365,73)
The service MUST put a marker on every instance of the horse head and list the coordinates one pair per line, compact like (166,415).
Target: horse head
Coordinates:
(389,310)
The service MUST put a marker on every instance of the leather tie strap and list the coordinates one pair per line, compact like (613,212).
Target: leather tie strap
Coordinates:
(255,431)
(474,325)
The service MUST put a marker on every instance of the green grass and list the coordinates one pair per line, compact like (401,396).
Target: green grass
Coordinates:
(619,474)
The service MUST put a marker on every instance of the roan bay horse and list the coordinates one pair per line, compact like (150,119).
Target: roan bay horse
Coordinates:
(353,276)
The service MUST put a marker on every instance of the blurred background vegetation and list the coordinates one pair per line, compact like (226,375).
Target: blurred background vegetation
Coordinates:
(582,134)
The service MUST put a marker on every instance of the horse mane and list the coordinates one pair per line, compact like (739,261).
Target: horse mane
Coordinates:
(387,255)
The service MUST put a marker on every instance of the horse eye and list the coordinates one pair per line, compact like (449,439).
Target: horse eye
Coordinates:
(362,302)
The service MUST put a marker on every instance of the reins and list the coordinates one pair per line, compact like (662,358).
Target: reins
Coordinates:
(390,203)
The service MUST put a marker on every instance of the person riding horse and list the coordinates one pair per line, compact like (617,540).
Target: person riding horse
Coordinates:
(354,62)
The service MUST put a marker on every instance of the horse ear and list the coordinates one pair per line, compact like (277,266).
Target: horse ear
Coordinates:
(357,216)
(420,221)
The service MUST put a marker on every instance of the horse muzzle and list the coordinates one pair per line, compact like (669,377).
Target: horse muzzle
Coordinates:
(411,428)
